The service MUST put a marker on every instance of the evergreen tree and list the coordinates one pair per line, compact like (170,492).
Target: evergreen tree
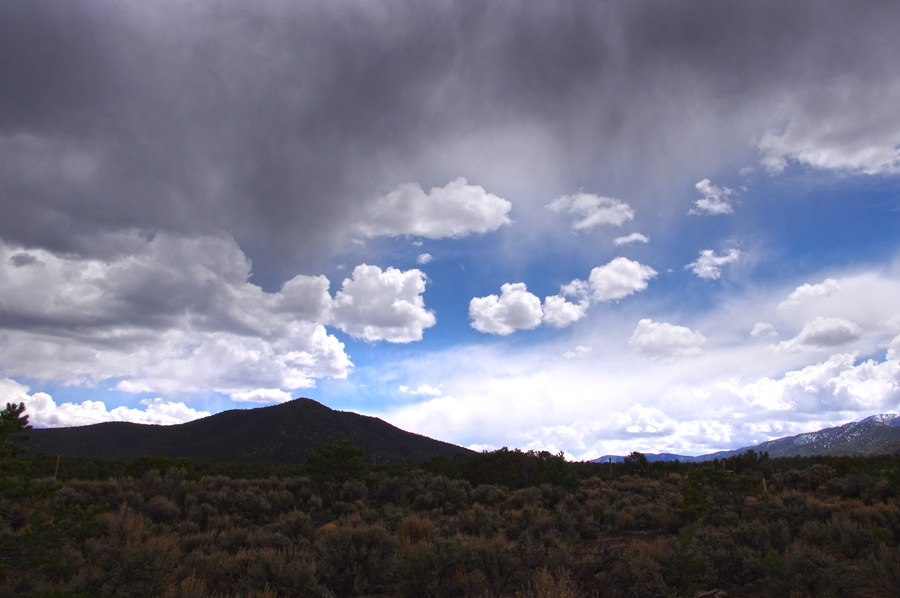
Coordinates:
(13,424)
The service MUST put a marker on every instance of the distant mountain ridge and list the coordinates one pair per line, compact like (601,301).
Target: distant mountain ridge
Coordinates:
(275,434)
(877,434)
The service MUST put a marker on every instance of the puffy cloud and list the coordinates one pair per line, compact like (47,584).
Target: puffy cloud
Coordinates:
(424,390)
(714,200)
(577,288)
(455,210)
(579,351)
(174,313)
(619,278)
(640,420)
(379,305)
(823,333)
(761,329)
(518,309)
(43,412)
(837,384)
(630,239)
(808,292)
(662,340)
(306,298)
(560,313)
(709,265)
(262,395)
(515,309)
(592,210)
(844,126)
(164,314)
(867,299)
(424,258)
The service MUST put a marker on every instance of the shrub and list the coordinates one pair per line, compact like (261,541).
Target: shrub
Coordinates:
(353,557)
(883,570)
(458,566)
(640,571)
(128,560)
(488,494)
(479,521)
(189,587)
(809,571)
(295,525)
(161,509)
(546,584)
(276,571)
(414,528)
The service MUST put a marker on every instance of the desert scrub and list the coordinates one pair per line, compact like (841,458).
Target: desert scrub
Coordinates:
(459,566)
(551,584)
(640,570)
(479,521)
(354,557)
(295,525)
(414,528)
(128,559)
(161,509)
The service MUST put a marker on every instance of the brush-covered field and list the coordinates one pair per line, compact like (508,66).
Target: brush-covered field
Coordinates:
(499,524)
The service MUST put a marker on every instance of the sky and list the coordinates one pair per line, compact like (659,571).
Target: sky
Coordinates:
(582,226)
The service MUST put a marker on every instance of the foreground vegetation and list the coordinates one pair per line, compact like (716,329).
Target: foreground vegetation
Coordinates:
(498,524)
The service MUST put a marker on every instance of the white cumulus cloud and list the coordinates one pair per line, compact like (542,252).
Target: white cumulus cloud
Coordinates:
(559,312)
(808,292)
(714,201)
(709,265)
(43,412)
(424,390)
(630,239)
(592,210)
(640,420)
(619,278)
(761,329)
(822,333)
(424,258)
(518,309)
(379,305)
(662,340)
(168,313)
(578,351)
(837,384)
(262,395)
(515,309)
(455,210)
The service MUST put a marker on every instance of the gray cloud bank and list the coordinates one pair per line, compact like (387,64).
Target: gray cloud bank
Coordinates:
(275,121)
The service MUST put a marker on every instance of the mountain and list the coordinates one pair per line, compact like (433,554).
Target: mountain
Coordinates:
(276,434)
(878,434)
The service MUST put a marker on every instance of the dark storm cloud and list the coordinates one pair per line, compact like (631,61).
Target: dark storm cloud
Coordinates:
(274,120)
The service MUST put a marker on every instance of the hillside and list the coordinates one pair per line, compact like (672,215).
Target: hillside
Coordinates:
(276,434)
(875,435)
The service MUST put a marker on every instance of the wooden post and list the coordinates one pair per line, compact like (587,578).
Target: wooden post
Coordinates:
(55,471)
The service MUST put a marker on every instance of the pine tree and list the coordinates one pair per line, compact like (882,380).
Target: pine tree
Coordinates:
(13,424)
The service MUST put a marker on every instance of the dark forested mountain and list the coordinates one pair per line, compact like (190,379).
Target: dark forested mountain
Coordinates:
(276,434)
(875,435)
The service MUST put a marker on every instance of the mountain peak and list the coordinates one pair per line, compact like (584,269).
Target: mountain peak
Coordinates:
(280,433)
(890,419)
